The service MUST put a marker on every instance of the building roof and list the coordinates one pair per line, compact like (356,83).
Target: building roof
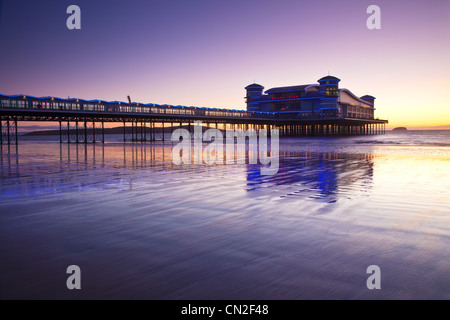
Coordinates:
(287,89)
(328,78)
(254,86)
(367,97)
(356,97)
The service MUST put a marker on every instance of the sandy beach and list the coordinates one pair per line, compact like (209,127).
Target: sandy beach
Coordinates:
(140,227)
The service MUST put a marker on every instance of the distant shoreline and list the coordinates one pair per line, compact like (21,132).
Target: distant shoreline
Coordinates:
(116,130)
(119,130)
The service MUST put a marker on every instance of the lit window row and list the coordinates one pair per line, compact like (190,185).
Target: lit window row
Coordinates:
(287,97)
(331,92)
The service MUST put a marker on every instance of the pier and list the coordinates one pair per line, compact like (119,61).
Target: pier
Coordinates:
(83,121)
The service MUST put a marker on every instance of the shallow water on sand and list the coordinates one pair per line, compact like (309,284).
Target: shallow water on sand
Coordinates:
(139,226)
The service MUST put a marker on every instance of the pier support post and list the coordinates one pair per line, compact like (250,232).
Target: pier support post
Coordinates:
(93,131)
(76,131)
(6,134)
(150,130)
(190,129)
(154,130)
(144,130)
(85,132)
(7,127)
(17,137)
(124,132)
(68,131)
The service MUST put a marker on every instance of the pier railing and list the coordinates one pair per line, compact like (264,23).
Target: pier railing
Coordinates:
(117,107)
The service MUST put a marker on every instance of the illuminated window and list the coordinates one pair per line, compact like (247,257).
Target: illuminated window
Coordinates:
(331,92)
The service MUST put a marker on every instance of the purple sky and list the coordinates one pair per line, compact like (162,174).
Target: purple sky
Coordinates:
(203,53)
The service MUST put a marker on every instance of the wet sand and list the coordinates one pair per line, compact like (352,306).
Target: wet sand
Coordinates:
(140,227)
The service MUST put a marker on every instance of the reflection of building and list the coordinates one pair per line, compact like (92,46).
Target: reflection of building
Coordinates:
(322,100)
(322,174)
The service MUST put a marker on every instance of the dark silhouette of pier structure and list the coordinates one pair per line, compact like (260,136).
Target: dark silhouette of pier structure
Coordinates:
(82,121)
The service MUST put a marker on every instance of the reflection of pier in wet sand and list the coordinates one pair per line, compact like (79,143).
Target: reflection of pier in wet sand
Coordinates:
(321,173)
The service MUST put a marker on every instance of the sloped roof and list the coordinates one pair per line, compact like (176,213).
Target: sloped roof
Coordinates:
(328,78)
(286,89)
(254,86)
